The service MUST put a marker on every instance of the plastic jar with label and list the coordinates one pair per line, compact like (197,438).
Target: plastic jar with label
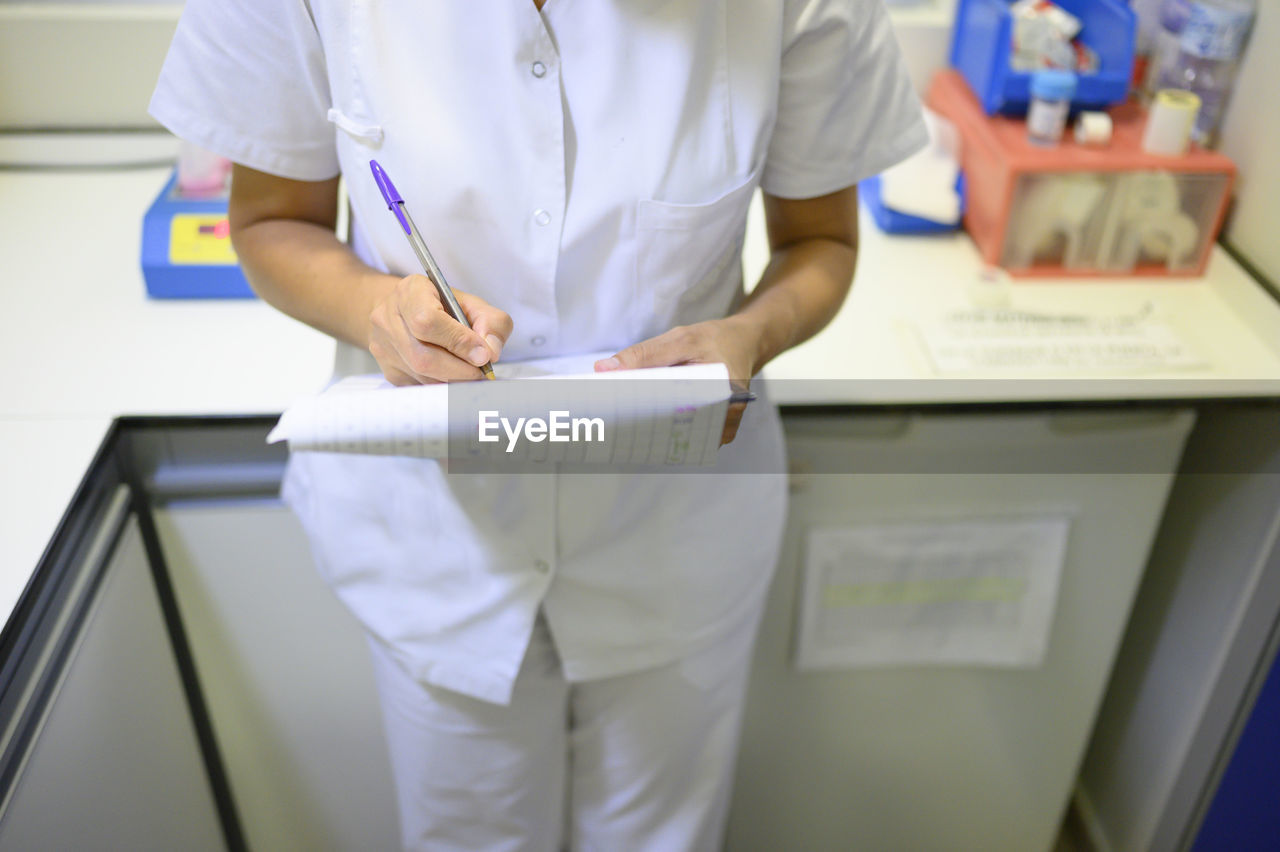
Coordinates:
(1051,93)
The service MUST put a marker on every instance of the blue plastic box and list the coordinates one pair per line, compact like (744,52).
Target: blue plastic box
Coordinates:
(893,222)
(982,42)
(186,251)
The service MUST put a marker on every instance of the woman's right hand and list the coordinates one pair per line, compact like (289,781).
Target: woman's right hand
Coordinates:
(415,341)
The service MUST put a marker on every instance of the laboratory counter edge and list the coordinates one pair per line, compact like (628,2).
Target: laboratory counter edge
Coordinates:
(120,354)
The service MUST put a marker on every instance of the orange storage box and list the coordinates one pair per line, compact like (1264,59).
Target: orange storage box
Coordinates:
(1083,210)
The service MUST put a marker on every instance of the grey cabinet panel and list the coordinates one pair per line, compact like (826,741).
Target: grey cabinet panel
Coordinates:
(117,764)
(286,677)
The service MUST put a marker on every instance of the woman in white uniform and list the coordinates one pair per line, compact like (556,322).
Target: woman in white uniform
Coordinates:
(562,658)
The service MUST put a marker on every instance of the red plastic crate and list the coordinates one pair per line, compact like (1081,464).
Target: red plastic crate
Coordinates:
(1083,210)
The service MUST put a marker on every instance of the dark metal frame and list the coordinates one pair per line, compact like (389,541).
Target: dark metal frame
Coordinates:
(139,455)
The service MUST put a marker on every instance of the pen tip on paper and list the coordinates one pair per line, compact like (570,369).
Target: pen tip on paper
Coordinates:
(488,372)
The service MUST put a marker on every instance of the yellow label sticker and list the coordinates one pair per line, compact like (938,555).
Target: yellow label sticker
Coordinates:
(200,238)
(938,590)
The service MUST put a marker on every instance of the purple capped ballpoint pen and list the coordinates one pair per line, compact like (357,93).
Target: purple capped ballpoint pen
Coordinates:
(396,205)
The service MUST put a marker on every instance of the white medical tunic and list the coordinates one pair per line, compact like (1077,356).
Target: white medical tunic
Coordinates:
(587,169)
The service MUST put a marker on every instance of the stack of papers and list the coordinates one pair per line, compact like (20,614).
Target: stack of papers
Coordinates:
(551,410)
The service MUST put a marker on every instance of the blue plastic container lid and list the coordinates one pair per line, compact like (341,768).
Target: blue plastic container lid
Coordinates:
(1053,84)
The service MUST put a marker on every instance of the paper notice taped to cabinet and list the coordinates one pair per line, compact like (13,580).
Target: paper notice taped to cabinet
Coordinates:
(969,592)
(1010,342)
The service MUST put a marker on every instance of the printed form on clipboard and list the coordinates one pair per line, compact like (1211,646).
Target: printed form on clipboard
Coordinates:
(542,411)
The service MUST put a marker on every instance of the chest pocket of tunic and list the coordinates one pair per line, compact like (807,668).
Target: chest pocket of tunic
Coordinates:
(688,265)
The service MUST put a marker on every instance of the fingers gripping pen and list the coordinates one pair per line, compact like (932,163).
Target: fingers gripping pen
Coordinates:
(396,205)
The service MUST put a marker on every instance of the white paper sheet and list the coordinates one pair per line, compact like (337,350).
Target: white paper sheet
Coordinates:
(969,592)
(661,416)
(1014,342)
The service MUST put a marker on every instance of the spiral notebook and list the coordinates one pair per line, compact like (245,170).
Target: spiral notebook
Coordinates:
(547,410)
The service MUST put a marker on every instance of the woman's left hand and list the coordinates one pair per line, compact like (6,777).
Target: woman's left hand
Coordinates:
(732,341)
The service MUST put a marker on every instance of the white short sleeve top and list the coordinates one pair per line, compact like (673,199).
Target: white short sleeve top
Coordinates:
(587,168)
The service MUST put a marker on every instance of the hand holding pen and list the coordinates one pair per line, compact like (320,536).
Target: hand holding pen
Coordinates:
(424,331)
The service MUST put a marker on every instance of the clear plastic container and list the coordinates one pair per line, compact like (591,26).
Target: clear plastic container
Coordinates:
(1204,62)
(1170,18)
(1159,220)
(1054,220)
(1113,222)
(201,174)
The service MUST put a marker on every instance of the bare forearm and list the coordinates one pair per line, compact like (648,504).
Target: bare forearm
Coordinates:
(282,230)
(800,291)
(302,269)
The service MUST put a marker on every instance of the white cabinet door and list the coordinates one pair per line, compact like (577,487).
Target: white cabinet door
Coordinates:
(949,757)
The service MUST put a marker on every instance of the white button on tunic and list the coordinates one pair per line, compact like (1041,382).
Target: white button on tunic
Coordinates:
(588,170)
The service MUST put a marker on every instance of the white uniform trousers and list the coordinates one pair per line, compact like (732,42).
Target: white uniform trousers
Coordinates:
(636,762)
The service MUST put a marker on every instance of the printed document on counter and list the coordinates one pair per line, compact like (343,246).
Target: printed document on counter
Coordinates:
(1015,342)
(548,410)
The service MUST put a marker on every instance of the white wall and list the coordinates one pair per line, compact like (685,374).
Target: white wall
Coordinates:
(88,64)
(1251,136)
(923,30)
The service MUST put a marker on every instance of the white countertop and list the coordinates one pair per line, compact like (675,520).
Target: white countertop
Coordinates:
(82,344)
(871,354)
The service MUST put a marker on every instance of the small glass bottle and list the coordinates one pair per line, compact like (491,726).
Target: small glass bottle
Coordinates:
(1051,93)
